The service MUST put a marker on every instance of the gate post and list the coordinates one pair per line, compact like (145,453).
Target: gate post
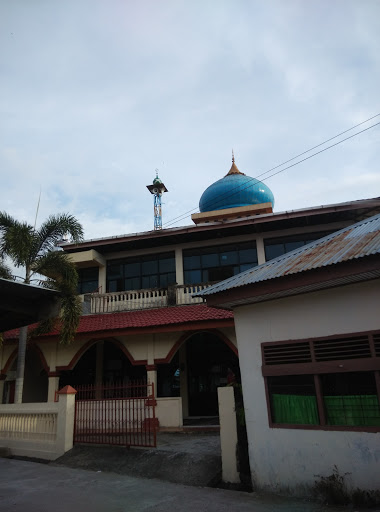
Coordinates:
(228,435)
(66,413)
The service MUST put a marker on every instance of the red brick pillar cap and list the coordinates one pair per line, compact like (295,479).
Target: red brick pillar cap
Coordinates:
(67,390)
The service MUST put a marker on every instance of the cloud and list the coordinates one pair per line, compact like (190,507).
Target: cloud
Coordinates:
(95,96)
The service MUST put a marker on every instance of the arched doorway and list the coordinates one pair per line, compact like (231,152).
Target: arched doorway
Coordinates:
(104,363)
(208,360)
(35,388)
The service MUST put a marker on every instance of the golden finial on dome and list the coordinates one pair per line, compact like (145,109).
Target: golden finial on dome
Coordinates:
(234,169)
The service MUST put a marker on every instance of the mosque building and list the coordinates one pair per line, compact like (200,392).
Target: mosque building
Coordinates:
(140,316)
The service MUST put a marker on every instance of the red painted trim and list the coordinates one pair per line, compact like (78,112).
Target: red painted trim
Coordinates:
(369,364)
(54,374)
(10,361)
(186,336)
(151,367)
(322,338)
(13,356)
(92,342)
(41,355)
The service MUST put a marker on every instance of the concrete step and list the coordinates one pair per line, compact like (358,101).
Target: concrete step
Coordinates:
(5,452)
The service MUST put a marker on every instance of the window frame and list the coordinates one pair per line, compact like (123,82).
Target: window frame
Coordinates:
(305,238)
(316,368)
(219,250)
(83,279)
(141,260)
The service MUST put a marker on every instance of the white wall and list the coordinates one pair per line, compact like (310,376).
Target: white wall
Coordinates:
(289,459)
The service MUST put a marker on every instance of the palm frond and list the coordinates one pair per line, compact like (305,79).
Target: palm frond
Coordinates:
(71,310)
(62,276)
(59,270)
(55,228)
(44,327)
(6,221)
(16,239)
(5,271)
(34,250)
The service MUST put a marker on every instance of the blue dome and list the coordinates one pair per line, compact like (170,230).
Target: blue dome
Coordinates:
(235,189)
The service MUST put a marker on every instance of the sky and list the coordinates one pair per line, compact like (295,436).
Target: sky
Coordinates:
(96,95)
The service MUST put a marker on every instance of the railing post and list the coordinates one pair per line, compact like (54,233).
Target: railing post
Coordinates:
(65,426)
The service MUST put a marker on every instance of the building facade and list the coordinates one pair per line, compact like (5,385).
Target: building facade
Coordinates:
(140,317)
(308,334)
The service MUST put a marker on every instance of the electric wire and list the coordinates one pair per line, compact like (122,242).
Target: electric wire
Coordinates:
(292,165)
(240,187)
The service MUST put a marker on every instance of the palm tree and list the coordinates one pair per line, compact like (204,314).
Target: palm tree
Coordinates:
(36,252)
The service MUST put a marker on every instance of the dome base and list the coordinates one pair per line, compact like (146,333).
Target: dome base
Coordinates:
(232,213)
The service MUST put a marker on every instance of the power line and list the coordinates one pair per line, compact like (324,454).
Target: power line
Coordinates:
(239,188)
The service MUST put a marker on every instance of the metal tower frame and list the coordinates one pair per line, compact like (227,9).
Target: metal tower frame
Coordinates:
(157,189)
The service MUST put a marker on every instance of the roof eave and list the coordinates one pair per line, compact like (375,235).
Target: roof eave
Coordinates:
(348,272)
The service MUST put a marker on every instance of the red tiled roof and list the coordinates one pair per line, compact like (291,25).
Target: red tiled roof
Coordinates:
(177,315)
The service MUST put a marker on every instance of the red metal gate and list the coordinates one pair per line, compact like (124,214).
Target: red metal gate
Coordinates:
(118,415)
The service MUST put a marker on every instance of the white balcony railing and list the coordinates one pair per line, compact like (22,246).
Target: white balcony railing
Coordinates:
(143,299)
(128,300)
(185,292)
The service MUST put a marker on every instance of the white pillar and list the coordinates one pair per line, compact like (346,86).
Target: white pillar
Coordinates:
(102,279)
(66,414)
(179,266)
(260,250)
(151,375)
(184,391)
(53,384)
(228,435)
(2,382)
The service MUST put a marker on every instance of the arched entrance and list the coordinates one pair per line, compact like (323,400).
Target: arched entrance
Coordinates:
(35,388)
(208,360)
(104,363)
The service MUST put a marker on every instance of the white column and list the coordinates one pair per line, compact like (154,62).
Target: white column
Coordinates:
(228,435)
(2,382)
(151,376)
(179,266)
(184,391)
(102,279)
(66,414)
(260,250)
(53,384)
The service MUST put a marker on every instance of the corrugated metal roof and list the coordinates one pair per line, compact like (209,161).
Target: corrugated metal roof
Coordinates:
(356,241)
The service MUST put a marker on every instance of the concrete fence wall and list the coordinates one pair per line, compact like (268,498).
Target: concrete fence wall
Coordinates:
(169,412)
(41,430)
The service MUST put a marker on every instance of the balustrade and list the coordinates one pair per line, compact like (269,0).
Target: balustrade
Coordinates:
(143,299)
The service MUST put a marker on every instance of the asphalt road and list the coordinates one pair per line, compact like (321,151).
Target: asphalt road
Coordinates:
(33,487)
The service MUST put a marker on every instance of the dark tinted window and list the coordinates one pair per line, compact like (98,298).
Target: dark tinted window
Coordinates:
(151,271)
(209,264)
(88,280)
(275,247)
